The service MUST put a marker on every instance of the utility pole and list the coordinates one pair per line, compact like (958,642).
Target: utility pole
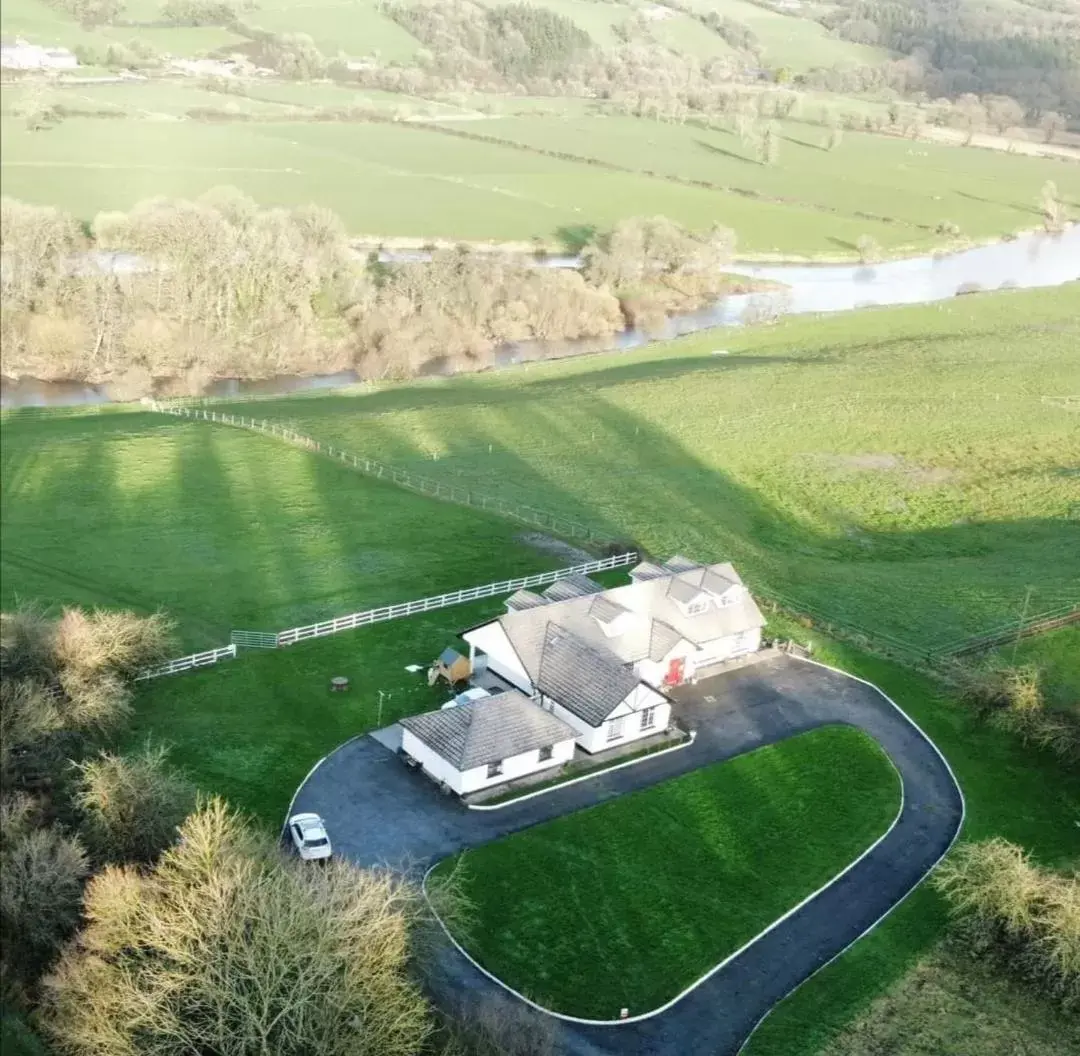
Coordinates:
(1020,626)
(378,720)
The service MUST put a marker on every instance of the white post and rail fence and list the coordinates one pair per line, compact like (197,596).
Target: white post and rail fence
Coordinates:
(272,640)
(372,467)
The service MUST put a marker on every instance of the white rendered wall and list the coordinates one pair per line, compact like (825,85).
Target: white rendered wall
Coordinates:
(502,659)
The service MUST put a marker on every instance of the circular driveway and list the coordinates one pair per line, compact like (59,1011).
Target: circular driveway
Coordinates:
(380,813)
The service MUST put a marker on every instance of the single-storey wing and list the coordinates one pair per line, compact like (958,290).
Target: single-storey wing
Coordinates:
(486,742)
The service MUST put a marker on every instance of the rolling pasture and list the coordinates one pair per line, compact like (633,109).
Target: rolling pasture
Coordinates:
(450,172)
(804,453)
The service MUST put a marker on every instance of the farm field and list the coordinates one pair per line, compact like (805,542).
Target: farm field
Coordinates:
(42,24)
(803,454)
(627,903)
(788,40)
(385,179)
(402,179)
(915,186)
(223,528)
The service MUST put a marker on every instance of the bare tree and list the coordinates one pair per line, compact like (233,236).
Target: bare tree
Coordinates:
(226,946)
(1053,209)
(868,249)
(132,804)
(1052,124)
(41,878)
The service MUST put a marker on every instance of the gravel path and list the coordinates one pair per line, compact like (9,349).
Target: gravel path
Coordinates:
(378,812)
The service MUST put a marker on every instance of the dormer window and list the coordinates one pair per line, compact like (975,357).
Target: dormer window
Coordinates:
(697,607)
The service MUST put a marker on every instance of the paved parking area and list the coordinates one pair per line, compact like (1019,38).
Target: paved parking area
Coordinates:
(379,812)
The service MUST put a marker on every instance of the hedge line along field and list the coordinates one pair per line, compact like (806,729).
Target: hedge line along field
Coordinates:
(402,179)
(626,904)
(803,453)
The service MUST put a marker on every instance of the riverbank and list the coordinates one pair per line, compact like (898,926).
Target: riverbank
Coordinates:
(1033,260)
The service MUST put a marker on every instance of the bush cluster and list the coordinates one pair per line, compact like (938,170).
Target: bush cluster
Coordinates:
(1025,916)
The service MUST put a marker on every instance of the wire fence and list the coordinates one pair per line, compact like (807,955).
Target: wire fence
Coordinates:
(371,467)
(1038,623)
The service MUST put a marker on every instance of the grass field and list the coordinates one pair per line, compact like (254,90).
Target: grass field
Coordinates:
(805,455)
(759,456)
(953,1004)
(405,180)
(626,904)
(788,40)
(42,24)
(914,185)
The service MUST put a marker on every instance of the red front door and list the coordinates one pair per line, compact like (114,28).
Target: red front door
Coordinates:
(675,671)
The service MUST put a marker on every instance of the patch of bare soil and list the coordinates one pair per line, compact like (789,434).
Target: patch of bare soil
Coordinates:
(550,545)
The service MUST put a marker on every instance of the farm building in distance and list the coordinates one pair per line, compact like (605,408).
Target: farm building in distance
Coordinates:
(594,661)
(22,55)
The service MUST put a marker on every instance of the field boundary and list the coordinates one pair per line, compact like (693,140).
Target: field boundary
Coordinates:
(383,613)
(371,467)
(1039,623)
(189,662)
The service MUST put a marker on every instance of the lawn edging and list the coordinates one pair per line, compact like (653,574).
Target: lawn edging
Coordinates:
(585,777)
(914,887)
(765,931)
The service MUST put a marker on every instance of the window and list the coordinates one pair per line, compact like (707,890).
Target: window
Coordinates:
(696,608)
(614,730)
(494,769)
(545,754)
(648,718)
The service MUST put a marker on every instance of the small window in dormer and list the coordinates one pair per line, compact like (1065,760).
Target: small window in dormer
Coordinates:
(696,608)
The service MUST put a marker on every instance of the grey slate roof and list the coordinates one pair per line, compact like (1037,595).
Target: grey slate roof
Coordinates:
(575,586)
(587,681)
(678,563)
(523,599)
(647,570)
(648,602)
(664,639)
(489,730)
(605,610)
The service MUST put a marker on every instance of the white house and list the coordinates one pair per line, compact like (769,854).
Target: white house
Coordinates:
(599,659)
(22,55)
(487,741)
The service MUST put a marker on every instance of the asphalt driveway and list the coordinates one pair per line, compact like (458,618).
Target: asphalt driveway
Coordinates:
(380,813)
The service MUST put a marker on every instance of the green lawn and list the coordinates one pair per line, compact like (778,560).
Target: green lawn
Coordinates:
(624,905)
(895,469)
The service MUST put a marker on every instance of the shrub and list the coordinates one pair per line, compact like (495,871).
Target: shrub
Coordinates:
(132,804)
(116,642)
(1028,917)
(227,946)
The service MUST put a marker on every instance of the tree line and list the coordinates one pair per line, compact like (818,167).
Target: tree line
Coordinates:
(969,47)
(190,291)
(139,917)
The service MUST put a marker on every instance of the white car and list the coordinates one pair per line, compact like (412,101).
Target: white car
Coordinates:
(309,836)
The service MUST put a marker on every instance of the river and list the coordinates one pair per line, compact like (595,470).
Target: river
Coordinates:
(1030,260)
